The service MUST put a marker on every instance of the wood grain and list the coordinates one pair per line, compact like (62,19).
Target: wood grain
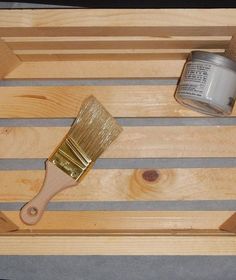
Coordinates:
(113,55)
(97,69)
(128,185)
(118,245)
(117,17)
(120,44)
(8,59)
(129,55)
(134,142)
(99,38)
(65,101)
(148,222)
(112,47)
(116,22)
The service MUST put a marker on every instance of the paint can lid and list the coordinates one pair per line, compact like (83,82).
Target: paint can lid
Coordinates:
(216,59)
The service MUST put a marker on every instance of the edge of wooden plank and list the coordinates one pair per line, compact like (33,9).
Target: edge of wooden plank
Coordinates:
(117,17)
(97,69)
(124,221)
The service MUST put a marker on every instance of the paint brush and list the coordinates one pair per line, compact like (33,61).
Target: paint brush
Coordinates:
(92,132)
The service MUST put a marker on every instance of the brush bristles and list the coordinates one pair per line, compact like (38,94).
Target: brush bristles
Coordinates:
(94,129)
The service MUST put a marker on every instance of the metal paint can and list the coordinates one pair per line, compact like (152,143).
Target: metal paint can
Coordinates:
(208,83)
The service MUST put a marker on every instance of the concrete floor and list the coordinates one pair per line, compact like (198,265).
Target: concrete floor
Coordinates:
(121,267)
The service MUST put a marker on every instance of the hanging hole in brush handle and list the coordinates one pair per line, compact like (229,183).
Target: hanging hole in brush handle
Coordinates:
(55,181)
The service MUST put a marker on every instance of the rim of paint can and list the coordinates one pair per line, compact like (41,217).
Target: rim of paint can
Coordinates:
(214,58)
(202,107)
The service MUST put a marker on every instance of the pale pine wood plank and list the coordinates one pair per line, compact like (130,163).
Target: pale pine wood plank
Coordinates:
(99,38)
(103,52)
(124,221)
(9,60)
(97,69)
(148,54)
(117,17)
(136,22)
(128,185)
(118,245)
(64,101)
(134,142)
(100,56)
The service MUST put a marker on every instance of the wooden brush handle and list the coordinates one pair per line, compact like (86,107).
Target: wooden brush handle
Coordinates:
(55,181)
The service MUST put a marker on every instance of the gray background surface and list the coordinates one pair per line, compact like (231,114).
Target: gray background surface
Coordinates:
(119,267)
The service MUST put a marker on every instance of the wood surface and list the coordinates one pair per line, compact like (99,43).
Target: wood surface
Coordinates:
(116,22)
(136,222)
(65,101)
(117,17)
(97,69)
(73,44)
(118,245)
(183,184)
(8,59)
(98,37)
(109,55)
(134,142)
(111,44)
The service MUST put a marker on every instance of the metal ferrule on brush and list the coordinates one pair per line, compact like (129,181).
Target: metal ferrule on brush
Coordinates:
(71,158)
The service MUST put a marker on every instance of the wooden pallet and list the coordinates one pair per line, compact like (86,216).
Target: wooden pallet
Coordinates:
(74,44)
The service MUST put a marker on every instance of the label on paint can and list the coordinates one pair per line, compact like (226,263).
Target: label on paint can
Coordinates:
(195,78)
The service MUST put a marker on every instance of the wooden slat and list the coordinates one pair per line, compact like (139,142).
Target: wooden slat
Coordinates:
(125,221)
(48,56)
(64,101)
(99,38)
(167,233)
(116,22)
(97,69)
(151,54)
(112,51)
(117,17)
(125,44)
(134,142)
(128,185)
(118,245)
(105,56)
(8,60)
